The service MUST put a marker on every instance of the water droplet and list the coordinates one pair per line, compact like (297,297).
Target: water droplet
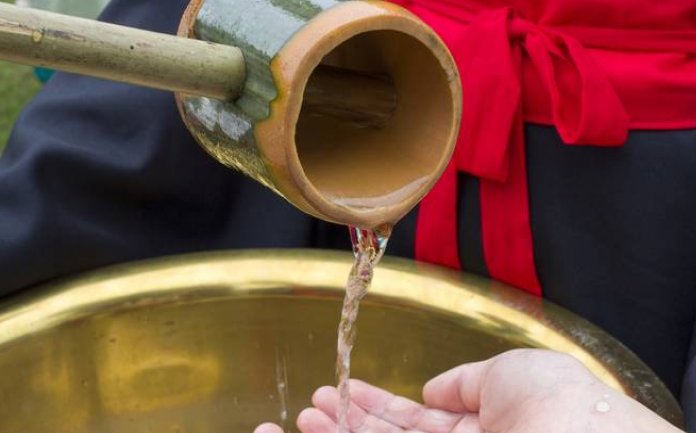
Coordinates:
(311,337)
(602,406)
(235,401)
(85,383)
(37,36)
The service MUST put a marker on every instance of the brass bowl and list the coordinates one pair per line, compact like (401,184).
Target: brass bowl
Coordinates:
(221,342)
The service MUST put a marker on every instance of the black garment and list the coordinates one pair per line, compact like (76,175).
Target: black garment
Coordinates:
(98,173)
(614,238)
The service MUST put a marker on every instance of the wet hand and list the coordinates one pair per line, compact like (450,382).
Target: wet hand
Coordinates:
(522,391)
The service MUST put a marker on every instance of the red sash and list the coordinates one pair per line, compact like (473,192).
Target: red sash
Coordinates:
(592,69)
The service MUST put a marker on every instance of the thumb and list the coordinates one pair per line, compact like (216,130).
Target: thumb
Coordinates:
(457,390)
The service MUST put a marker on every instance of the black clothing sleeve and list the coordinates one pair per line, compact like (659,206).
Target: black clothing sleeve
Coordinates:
(97,173)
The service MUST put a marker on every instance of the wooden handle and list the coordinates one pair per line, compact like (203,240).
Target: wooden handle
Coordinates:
(119,53)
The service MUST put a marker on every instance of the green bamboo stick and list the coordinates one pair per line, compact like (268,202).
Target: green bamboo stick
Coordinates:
(119,53)
(39,38)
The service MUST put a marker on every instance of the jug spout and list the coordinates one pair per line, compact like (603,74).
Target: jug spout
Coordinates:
(329,166)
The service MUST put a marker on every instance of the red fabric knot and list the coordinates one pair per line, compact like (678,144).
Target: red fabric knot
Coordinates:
(490,47)
(489,52)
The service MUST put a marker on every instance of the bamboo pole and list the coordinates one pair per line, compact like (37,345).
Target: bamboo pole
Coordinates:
(119,53)
(39,38)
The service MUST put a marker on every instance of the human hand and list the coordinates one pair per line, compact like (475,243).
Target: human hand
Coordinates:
(521,391)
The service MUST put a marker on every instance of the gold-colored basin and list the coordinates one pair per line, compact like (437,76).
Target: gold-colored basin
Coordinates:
(221,342)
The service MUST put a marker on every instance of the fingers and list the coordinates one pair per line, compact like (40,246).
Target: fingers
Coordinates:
(379,411)
(372,399)
(313,421)
(269,428)
(401,411)
(327,399)
(457,390)
(453,397)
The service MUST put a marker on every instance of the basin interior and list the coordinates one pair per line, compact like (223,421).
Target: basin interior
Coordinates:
(214,365)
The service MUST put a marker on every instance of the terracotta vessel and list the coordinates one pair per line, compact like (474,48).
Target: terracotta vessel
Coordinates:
(332,168)
(348,109)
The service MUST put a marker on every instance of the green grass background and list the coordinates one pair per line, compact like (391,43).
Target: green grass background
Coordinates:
(17,86)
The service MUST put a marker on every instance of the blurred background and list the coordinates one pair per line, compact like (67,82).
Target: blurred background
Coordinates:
(18,84)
